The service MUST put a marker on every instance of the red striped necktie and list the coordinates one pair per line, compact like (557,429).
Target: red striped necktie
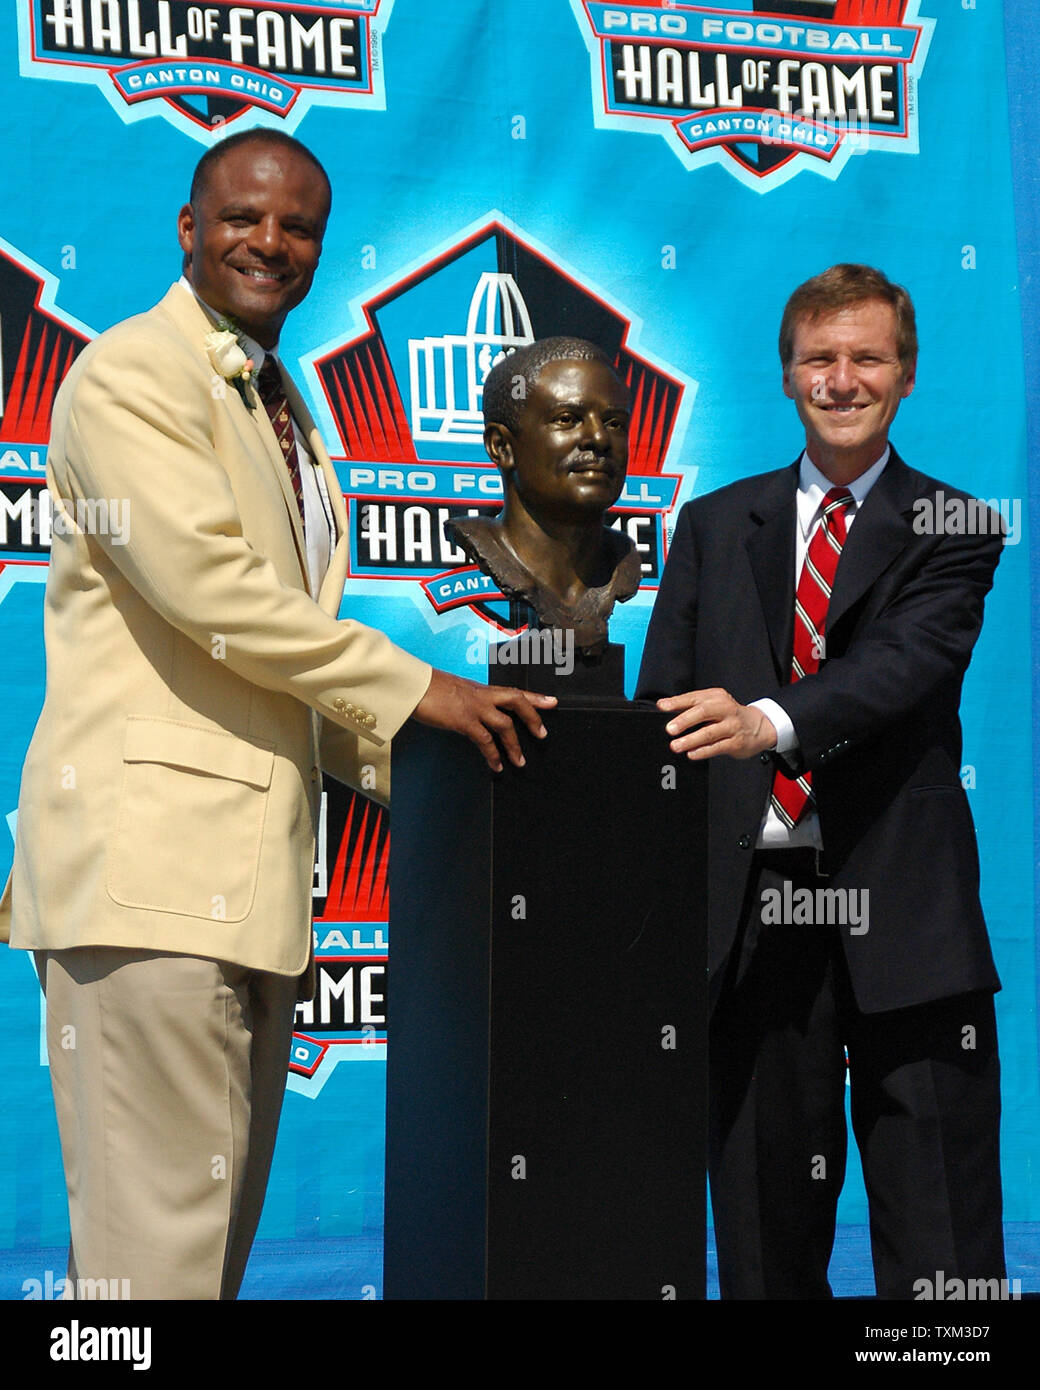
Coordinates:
(792,796)
(272,393)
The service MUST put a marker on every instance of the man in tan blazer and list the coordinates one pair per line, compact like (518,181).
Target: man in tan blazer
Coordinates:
(198,680)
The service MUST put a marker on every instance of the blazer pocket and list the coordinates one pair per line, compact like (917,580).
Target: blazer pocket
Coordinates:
(190,820)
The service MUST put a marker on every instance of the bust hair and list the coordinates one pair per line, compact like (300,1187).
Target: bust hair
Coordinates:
(503,403)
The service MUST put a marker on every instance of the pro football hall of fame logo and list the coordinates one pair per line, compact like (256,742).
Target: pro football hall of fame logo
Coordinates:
(203,65)
(765,87)
(405,397)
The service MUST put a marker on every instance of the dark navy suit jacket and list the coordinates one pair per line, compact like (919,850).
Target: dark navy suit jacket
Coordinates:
(878,725)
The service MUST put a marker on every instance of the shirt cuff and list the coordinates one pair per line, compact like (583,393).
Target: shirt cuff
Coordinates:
(786,738)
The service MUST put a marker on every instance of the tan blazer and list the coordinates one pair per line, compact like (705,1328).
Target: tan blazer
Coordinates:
(170,793)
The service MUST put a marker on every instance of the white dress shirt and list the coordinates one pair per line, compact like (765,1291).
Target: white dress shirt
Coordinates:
(812,488)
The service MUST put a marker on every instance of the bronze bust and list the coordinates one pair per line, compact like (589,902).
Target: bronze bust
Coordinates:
(556,422)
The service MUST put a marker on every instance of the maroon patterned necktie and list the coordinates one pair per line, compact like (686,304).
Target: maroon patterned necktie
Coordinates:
(792,796)
(272,393)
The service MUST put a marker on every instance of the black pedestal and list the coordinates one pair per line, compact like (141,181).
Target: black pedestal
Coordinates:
(546,1066)
(547,661)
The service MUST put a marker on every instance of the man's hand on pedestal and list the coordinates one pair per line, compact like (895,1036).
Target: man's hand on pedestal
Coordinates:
(718,724)
(482,713)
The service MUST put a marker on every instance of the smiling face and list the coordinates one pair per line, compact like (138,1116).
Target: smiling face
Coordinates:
(253,237)
(846,380)
(566,460)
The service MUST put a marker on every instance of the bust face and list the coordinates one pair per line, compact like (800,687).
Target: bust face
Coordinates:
(568,456)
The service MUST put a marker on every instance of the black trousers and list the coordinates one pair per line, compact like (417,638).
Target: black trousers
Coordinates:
(925,1103)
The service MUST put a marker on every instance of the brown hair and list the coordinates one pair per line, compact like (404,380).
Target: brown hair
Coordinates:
(839,287)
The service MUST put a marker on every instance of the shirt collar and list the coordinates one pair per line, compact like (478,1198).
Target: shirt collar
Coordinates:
(251,347)
(813,487)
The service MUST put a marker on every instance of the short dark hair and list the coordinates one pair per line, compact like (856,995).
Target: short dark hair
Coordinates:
(259,135)
(501,405)
(839,287)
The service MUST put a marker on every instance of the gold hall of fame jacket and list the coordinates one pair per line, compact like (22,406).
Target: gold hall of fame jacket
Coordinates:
(195,687)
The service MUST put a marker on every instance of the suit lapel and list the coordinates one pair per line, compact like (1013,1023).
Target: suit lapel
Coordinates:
(265,433)
(880,532)
(253,423)
(771,551)
(331,591)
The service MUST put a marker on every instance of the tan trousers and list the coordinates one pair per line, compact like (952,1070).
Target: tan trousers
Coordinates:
(168,1075)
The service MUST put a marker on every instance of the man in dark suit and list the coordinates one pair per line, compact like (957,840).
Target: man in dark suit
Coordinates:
(844,910)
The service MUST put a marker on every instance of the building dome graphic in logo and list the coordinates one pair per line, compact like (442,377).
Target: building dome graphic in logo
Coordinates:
(767,88)
(446,375)
(405,401)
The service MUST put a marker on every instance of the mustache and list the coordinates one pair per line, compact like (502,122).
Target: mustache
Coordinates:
(587,459)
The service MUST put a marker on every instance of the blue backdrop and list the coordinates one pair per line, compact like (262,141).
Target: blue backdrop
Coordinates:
(505,170)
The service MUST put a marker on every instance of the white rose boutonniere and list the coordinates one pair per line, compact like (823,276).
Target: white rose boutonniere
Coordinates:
(229,360)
